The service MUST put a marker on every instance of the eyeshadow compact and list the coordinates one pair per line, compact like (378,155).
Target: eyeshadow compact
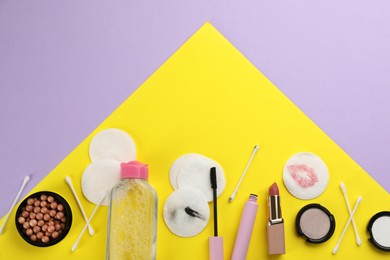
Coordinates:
(379,228)
(315,223)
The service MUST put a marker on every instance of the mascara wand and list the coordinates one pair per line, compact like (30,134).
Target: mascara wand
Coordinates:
(215,242)
(213,179)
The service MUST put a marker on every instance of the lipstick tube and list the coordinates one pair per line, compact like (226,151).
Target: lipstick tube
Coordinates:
(245,229)
(275,227)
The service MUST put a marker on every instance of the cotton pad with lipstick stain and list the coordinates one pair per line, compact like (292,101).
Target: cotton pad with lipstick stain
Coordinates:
(98,178)
(194,172)
(113,144)
(186,212)
(305,176)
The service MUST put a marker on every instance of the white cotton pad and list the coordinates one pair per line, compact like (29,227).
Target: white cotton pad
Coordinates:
(195,173)
(98,178)
(305,176)
(112,144)
(186,212)
(178,163)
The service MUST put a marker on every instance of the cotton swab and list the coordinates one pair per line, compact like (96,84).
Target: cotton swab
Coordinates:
(336,248)
(344,189)
(75,245)
(25,181)
(69,182)
(255,149)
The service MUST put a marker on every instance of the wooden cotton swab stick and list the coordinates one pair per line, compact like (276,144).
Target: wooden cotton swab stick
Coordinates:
(344,190)
(69,182)
(75,245)
(336,248)
(25,181)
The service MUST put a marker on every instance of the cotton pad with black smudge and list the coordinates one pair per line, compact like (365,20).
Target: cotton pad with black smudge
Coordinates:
(186,212)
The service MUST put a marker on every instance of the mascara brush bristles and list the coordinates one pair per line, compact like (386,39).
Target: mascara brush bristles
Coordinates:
(213,180)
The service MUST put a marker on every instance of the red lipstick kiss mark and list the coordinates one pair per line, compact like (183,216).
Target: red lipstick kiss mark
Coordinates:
(303,175)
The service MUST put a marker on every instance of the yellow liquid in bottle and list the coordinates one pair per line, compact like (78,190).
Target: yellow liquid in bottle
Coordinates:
(132,221)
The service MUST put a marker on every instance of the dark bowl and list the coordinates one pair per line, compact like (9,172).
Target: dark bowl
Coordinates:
(67,214)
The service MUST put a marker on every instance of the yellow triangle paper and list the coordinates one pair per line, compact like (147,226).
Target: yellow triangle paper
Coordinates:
(209,99)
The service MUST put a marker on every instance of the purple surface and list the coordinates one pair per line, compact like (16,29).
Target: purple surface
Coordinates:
(66,65)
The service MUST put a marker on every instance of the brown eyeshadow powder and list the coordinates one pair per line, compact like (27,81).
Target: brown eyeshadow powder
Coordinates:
(314,223)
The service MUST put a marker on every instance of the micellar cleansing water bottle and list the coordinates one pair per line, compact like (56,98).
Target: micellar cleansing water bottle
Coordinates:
(132,217)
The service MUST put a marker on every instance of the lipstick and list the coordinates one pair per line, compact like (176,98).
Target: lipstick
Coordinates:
(275,227)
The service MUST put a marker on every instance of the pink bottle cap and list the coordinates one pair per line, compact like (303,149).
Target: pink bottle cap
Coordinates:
(134,170)
(216,248)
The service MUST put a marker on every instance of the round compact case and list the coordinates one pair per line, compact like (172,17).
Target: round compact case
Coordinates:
(379,229)
(315,223)
(43,218)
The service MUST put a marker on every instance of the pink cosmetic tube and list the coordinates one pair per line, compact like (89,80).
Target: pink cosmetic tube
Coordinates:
(216,248)
(245,229)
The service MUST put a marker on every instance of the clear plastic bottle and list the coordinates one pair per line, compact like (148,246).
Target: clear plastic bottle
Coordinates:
(132,217)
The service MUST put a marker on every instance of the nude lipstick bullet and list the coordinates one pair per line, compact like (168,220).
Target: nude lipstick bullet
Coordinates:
(275,227)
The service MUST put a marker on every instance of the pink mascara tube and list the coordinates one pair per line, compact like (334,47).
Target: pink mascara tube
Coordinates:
(245,229)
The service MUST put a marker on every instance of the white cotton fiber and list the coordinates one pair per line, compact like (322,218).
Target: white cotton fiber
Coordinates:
(194,171)
(112,144)
(98,178)
(179,163)
(305,176)
(186,212)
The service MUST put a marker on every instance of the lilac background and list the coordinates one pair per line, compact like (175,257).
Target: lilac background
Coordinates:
(66,65)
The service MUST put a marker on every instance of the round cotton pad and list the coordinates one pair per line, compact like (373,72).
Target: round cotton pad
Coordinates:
(186,212)
(112,144)
(195,173)
(98,178)
(178,163)
(305,176)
